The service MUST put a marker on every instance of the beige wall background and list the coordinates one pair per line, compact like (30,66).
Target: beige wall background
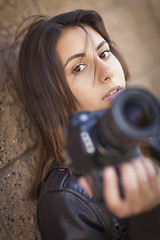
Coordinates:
(135,27)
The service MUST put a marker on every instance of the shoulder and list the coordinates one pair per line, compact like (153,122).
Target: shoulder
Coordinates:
(60,180)
(62,195)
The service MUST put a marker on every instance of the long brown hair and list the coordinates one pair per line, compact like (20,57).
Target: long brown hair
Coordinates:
(47,95)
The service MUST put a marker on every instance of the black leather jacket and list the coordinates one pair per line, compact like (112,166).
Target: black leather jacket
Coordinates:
(66,212)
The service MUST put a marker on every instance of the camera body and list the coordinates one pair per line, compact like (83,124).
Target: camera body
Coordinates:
(110,136)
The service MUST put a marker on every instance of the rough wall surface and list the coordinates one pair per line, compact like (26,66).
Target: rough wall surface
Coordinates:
(133,24)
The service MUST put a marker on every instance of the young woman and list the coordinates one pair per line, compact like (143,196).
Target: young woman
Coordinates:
(69,63)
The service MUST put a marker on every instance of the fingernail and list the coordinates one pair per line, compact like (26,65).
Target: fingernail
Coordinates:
(108,172)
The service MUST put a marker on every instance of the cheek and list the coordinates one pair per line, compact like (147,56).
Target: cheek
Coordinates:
(80,84)
(84,95)
(119,70)
(79,90)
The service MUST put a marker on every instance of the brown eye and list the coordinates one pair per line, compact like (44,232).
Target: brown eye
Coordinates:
(79,68)
(105,54)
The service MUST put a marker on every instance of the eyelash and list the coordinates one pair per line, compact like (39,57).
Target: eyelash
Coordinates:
(105,51)
(78,66)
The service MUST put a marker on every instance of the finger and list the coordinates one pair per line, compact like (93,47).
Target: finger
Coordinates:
(84,183)
(131,188)
(145,197)
(111,193)
(142,178)
(153,172)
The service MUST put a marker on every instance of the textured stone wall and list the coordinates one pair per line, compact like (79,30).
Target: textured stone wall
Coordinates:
(133,24)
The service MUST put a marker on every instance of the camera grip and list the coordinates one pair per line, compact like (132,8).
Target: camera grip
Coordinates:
(95,182)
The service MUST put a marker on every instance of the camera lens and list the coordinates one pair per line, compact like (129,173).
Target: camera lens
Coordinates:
(138,114)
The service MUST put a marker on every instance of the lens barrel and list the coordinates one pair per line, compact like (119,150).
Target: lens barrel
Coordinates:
(133,117)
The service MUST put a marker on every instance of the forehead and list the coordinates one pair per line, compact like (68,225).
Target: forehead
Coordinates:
(77,40)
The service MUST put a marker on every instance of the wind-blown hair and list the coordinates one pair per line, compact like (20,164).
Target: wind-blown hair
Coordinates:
(46,93)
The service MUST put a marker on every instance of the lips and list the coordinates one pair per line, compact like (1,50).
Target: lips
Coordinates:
(112,91)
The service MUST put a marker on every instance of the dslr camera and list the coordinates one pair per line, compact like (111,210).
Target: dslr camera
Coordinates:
(111,136)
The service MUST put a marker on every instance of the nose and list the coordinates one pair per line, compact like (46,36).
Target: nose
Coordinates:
(103,70)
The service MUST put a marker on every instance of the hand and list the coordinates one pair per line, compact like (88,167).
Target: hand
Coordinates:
(141,184)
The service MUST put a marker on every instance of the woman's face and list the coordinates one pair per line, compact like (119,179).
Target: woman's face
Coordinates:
(93,73)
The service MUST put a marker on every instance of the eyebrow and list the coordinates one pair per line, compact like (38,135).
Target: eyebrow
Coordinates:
(101,44)
(82,55)
(77,55)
